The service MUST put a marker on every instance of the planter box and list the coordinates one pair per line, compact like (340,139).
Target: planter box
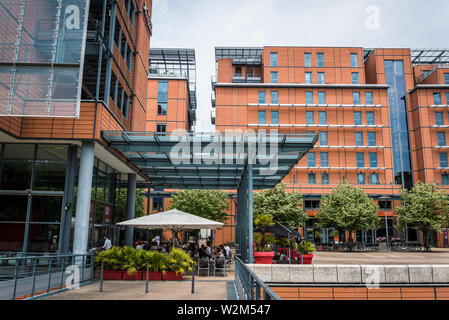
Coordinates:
(263,257)
(382,246)
(112,275)
(136,276)
(152,275)
(172,276)
(306,259)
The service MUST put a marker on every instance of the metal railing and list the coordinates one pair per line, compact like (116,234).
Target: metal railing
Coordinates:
(23,277)
(250,286)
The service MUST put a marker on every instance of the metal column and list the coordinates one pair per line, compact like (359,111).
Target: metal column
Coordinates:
(250,213)
(131,204)
(81,235)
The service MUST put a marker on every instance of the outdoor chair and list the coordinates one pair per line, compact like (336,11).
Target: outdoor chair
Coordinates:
(219,265)
(203,264)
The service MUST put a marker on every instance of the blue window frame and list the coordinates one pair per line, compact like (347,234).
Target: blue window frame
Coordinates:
(445,179)
(312,178)
(372,139)
(441,139)
(274,77)
(369,98)
(262,117)
(324,157)
(357,118)
(439,120)
(360,159)
(325,178)
(370,118)
(354,60)
(447,97)
(374,178)
(323,138)
(373,160)
(261,96)
(355,78)
(321,97)
(320,59)
(356,97)
(446,78)
(311,159)
(274,97)
(307,60)
(321,78)
(273,59)
(358,138)
(437,98)
(322,117)
(162,91)
(274,117)
(443,159)
(308,78)
(309,97)
(309,117)
(360,178)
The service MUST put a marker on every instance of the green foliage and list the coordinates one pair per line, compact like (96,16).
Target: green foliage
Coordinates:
(261,240)
(424,207)
(285,207)
(305,247)
(122,195)
(283,242)
(348,208)
(179,261)
(209,204)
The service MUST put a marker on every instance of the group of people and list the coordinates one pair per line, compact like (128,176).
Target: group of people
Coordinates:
(222,252)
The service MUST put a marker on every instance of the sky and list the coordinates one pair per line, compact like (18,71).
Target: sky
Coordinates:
(205,24)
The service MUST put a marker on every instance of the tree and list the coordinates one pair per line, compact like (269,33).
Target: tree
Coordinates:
(348,208)
(209,204)
(424,207)
(122,203)
(286,208)
(261,239)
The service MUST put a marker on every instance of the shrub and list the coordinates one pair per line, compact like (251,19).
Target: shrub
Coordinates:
(179,261)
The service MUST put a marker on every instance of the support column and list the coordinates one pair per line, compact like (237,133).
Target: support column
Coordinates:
(83,198)
(250,213)
(131,204)
(67,202)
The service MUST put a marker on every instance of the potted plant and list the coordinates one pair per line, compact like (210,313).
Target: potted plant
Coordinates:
(305,248)
(263,254)
(158,264)
(112,264)
(178,262)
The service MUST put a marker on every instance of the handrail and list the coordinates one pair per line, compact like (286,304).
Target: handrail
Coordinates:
(252,284)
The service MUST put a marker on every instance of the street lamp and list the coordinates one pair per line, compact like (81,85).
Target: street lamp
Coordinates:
(386,221)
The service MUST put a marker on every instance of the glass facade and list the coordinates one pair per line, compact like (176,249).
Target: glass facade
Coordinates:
(395,79)
(41,61)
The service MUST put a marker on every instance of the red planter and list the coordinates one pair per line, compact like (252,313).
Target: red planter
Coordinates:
(136,276)
(112,275)
(306,258)
(172,275)
(263,257)
(152,275)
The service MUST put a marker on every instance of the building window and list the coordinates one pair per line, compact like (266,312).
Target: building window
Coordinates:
(311,204)
(273,59)
(162,91)
(274,97)
(372,139)
(309,117)
(274,77)
(322,117)
(312,178)
(162,108)
(307,60)
(158,204)
(443,159)
(161,129)
(321,79)
(274,117)
(354,60)
(439,118)
(355,78)
(261,97)
(358,138)
(441,139)
(436,98)
(447,97)
(325,178)
(262,117)
(373,160)
(320,60)
(374,178)
(445,179)
(360,159)
(446,78)
(321,97)
(357,118)
(369,98)
(311,159)
(360,178)
(238,71)
(356,97)
(370,118)
(324,156)
(309,97)
(323,138)
(308,78)
(385,205)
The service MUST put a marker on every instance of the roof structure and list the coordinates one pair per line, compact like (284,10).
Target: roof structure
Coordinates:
(201,169)
(242,54)
(430,56)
